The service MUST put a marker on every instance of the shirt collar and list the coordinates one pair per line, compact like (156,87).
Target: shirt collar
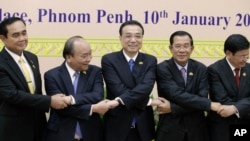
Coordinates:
(15,56)
(127,57)
(70,70)
(180,67)
(230,65)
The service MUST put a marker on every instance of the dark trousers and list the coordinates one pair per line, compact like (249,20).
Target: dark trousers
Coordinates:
(133,135)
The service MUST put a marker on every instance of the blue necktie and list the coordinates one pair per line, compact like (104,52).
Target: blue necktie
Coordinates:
(131,64)
(75,82)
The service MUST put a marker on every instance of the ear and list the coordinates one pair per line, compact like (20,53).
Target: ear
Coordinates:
(228,52)
(192,48)
(67,57)
(2,37)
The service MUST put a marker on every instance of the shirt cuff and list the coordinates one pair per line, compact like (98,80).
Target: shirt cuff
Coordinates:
(149,102)
(119,100)
(73,102)
(91,111)
(237,112)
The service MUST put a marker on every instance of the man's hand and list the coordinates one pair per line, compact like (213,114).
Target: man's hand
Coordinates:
(164,107)
(58,101)
(112,104)
(156,102)
(101,107)
(227,110)
(215,106)
(67,99)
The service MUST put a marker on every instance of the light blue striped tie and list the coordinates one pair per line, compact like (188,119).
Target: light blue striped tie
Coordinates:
(78,129)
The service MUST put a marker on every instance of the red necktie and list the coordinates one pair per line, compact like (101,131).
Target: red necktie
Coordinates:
(237,76)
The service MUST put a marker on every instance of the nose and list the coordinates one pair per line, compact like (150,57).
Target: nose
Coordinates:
(133,39)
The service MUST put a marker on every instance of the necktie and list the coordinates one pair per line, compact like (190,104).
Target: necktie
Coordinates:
(183,72)
(131,64)
(75,82)
(237,76)
(27,75)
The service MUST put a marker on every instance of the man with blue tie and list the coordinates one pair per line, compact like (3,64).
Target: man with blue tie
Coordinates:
(182,85)
(82,84)
(130,77)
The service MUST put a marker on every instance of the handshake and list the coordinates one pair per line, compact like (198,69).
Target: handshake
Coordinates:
(61,101)
(163,107)
(162,104)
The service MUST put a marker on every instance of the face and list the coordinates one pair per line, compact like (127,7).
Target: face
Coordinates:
(82,56)
(17,38)
(131,39)
(181,49)
(239,59)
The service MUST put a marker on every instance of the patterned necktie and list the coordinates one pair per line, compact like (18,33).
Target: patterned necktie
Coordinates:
(27,75)
(75,82)
(131,65)
(183,72)
(237,76)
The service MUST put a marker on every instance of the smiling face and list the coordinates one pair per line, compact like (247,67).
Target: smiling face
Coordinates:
(17,38)
(181,49)
(81,57)
(131,39)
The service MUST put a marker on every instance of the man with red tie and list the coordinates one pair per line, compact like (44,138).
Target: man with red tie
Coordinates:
(229,80)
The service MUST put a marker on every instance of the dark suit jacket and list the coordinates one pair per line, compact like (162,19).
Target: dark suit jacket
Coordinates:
(188,102)
(223,89)
(62,123)
(22,115)
(134,90)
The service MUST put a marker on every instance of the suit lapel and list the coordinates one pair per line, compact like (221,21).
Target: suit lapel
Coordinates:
(176,73)
(82,82)
(139,65)
(33,67)
(228,73)
(243,81)
(190,72)
(66,79)
(18,72)
(124,70)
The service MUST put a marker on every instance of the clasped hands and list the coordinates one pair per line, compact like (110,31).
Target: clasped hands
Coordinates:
(223,110)
(61,101)
(163,107)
